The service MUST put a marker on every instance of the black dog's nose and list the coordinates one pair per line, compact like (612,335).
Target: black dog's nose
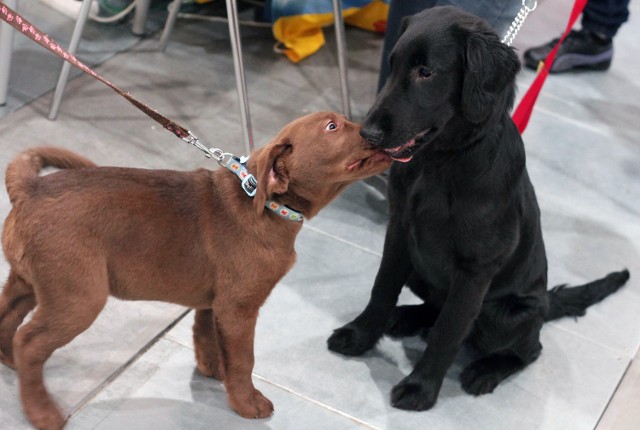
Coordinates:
(372,135)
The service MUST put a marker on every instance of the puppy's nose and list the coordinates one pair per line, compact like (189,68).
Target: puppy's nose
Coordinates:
(372,135)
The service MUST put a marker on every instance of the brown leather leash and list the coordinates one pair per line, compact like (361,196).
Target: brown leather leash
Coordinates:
(18,22)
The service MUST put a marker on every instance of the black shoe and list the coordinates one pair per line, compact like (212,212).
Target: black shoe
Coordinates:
(580,50)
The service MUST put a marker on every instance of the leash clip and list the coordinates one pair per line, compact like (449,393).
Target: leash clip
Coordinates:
(214,153)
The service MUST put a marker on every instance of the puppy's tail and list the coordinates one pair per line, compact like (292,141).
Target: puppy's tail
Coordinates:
(574,301)
(23,170)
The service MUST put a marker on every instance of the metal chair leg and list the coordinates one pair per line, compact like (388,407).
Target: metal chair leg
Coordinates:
(341,41)
(6,50)
(243,99)
(140,17)
(66,66)
(174,8)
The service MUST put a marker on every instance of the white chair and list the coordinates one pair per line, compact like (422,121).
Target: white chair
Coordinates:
(139,20)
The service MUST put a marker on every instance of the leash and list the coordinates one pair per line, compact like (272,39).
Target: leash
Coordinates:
(519,19)
(523,112)
(225,159)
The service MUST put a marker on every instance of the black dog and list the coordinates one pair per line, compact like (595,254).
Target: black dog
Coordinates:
(464,231)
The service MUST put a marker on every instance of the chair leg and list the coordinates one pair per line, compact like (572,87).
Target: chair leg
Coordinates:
(174,8)
(140,17)
(236,48)
(6,50)
(66,66)
(341,41)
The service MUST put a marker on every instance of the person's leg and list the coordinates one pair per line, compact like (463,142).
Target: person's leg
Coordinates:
(590,48)
(605,16)
(499,14)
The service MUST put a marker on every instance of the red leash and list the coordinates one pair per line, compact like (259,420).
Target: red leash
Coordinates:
(525,107)
(29,30)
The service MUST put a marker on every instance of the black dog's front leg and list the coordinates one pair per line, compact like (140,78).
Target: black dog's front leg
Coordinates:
(361,334)
(419,390)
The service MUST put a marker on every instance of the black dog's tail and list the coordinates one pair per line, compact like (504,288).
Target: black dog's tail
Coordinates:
(574,301)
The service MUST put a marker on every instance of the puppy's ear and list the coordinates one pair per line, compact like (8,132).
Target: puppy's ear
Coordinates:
(272,173)
(404,23)
(490,72)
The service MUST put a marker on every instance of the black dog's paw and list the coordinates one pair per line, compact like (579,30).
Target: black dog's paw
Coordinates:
(414,394)
(351,340)
(405,321)
(478,378)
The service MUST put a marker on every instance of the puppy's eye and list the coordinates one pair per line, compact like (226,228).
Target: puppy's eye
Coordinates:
(331,126)
(424,73)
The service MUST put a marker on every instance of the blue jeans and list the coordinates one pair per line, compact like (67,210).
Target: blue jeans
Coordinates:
(605,16)
(498,13)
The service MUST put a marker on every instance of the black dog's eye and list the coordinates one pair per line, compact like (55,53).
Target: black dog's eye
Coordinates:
(331,126)
(424,73)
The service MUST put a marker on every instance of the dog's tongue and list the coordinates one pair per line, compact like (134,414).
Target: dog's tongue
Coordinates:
(398,148)
(402,160)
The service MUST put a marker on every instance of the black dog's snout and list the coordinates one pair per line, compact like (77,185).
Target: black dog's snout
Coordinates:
(372,135)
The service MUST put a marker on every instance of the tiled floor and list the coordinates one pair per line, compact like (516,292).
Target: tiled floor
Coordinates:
(133,369)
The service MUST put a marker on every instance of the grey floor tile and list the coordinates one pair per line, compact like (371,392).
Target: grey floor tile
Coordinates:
(567,388)
(78,370)
(163,390)
(583,154)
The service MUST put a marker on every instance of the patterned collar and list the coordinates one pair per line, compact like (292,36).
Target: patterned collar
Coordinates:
(237,165)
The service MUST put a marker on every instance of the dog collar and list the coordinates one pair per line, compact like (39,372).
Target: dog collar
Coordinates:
(249,184)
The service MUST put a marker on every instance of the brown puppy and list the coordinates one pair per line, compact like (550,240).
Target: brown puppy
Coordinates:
(76,236)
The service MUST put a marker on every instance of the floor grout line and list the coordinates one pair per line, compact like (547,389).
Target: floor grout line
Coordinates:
(295,393)
(613,394)
(111,378)
(317,402)
(339,239)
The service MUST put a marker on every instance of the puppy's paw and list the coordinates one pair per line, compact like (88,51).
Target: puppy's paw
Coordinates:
(256,405)
(405,321)
(47,418)
(351,340)
(480,378)
(414,394)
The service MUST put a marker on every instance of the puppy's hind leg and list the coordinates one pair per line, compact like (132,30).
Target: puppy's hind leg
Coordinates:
(519,345)
(16,301)
(64,312)
(206,340)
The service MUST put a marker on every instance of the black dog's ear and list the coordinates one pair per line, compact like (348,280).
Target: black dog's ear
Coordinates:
(490,71)
(404,23)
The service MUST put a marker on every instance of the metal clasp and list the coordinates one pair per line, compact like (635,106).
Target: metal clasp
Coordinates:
(217,154)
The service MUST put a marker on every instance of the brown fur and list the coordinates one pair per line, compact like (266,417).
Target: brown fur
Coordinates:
(76,236)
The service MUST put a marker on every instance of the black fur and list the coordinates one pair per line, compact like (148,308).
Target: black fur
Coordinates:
(464,231)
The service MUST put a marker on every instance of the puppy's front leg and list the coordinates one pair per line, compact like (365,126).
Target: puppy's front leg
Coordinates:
(236,325)
(419,390)
(361,334)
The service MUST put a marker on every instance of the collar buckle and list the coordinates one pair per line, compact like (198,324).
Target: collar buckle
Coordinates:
(250,185)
